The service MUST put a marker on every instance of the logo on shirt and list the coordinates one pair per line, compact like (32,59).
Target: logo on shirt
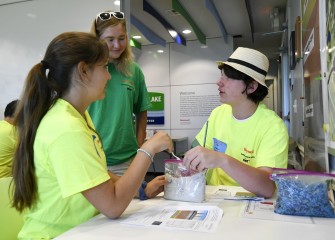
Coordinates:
(247,155)
(248,151)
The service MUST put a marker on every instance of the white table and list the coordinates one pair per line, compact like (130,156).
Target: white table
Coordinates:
(232,226)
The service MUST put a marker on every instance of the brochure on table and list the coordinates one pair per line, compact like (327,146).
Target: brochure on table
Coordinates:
(188,217)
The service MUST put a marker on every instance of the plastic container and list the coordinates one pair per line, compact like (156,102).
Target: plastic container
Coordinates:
(305,193)
(183,185)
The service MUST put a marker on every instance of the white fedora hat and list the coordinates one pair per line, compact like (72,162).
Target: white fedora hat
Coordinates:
(250,62)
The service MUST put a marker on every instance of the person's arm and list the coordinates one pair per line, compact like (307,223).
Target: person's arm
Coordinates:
(113,176)
(112,198)
(255,180)
(153,188)
(141,126)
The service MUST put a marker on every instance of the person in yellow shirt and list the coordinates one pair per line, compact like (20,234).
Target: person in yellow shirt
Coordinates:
(59,168)
(242,140)
(7,140)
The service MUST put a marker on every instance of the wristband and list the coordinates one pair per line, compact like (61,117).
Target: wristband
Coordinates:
(145,151)
(141,192)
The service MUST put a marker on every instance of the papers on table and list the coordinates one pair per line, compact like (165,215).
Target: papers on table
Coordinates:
(265,210)
(244,196)
(205,217)
(188,217)
(255,207)
(223,194)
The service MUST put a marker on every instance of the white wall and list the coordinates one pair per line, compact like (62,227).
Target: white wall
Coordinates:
(26,30)
(182,70)
(28,27)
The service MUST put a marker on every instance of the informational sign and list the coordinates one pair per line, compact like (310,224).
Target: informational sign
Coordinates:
(195,104)
(156,112)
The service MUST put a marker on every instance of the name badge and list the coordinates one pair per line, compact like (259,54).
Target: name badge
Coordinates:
(219,146)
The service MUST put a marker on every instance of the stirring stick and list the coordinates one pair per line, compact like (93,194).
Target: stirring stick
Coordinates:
(175,156)
(205,144)
(205,134)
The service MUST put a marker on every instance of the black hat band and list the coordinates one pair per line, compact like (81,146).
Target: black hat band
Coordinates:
(246,64)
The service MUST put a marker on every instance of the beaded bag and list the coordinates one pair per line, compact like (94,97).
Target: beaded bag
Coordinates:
(305,193)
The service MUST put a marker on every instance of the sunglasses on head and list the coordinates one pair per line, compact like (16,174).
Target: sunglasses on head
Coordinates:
(104,16)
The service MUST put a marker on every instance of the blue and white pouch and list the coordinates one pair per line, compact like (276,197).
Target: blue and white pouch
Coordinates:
(305,193)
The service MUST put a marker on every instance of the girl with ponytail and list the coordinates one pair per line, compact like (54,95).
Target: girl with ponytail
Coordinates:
(60,175)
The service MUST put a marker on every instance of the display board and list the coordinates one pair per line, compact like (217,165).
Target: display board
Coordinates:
(193,104)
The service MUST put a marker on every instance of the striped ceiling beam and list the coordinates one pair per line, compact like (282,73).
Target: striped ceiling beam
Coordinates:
(147,32)
(176,5)
(211,7)
(177,37)
(135,43)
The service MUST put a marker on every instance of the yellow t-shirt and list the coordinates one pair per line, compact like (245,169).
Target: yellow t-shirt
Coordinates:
(68,159)
(7,147)
(259,141)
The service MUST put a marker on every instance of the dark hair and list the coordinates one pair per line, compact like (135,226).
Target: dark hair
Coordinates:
(10,108)
(258,95)
(46,82)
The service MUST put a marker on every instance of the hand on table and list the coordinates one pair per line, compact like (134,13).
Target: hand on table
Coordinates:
(155,186)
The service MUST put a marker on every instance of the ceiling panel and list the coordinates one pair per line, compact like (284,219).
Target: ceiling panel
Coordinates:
(234,14)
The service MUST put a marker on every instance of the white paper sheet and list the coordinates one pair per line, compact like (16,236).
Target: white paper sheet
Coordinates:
(188,217)
(265,210)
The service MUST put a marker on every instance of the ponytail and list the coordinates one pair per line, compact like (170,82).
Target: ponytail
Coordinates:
(46,82)
(36,100)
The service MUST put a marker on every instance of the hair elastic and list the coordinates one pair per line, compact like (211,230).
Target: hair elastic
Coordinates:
(45,64)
